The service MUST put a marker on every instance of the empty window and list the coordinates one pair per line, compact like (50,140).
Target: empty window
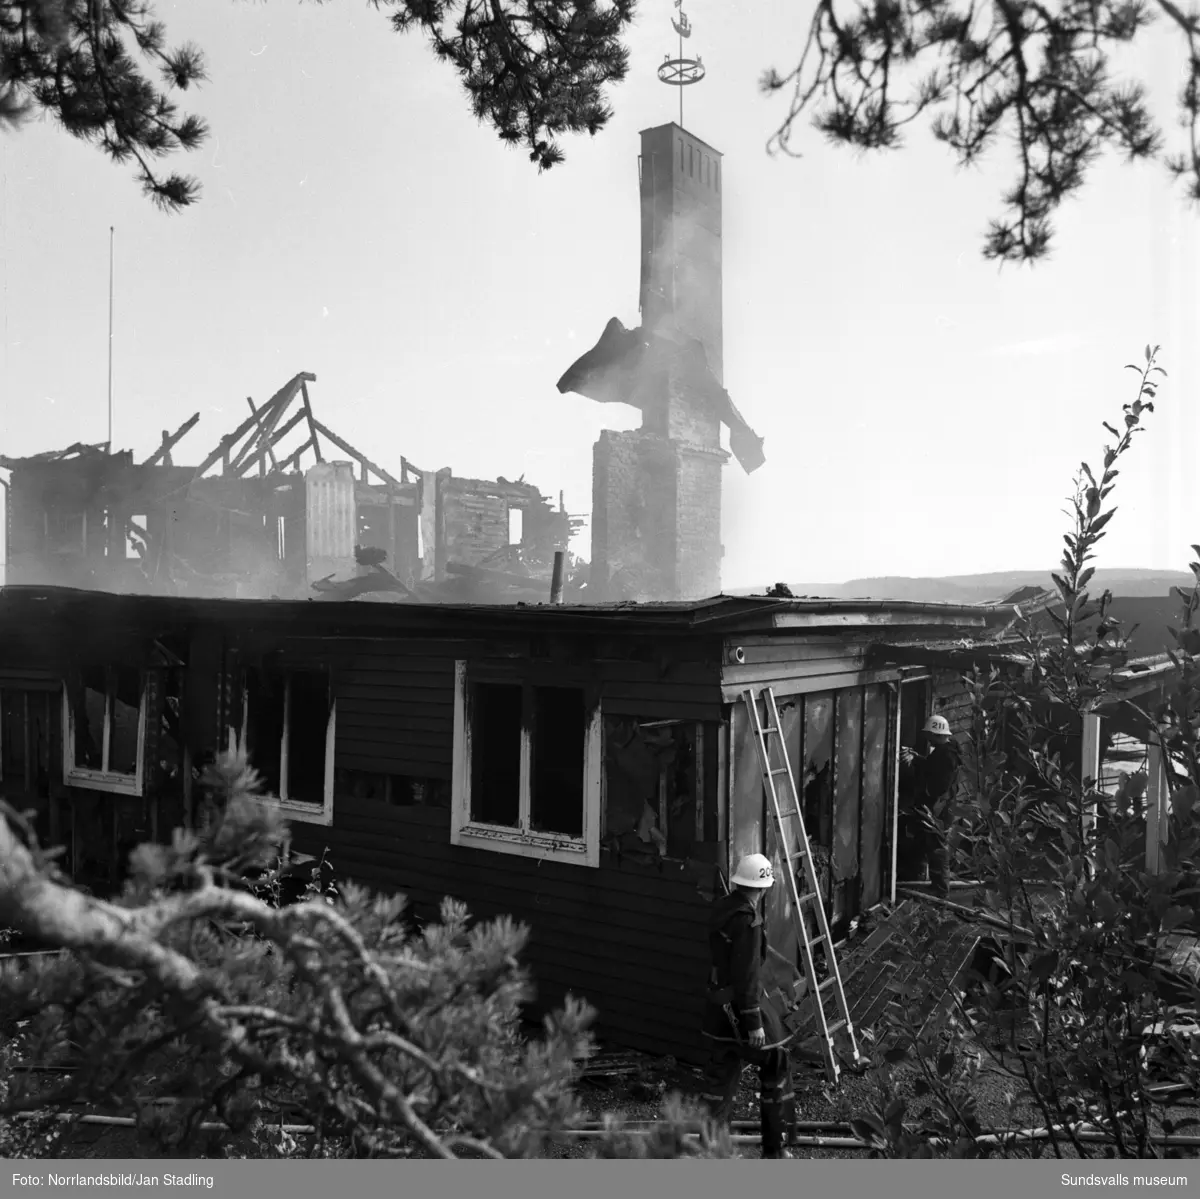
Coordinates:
(914,705)
(170,735)
(717,176)
(681,154)
(554,716)
(106,727)
(281,537)
(654,794)
(135,538)
(288,727)
(691,161)
(375,530)
(556,765)
(527,769)
(516,526)
(496,754)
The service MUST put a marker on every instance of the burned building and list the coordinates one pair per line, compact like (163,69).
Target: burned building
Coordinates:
(656,491)
(307,517)
(587,769)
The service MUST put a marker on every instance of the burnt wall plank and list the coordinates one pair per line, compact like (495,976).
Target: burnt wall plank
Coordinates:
(632,942)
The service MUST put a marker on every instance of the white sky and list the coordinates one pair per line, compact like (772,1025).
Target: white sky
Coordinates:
(923,411)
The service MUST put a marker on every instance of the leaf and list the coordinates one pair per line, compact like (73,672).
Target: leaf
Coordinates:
(921,1088)
(1149,354)
(894,1111)
(896,1054)
(867,1128)
(945,1063)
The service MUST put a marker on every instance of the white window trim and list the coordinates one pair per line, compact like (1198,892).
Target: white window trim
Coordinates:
(104,780)
(524,841)
(295,809)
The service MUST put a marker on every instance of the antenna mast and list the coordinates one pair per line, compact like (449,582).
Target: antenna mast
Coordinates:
(111,240)
(680,72)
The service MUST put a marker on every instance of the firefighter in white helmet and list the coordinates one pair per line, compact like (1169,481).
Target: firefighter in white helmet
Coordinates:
(928,780)
(739,1029)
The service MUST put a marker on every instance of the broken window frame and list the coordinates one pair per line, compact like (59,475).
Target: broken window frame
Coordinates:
(298,809)
(104,779)
(523,839)
(705,804)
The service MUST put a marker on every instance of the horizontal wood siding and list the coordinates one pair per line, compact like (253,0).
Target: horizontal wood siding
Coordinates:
(29,678)
(395,703)
(396,696)
(632,942)
(797,662)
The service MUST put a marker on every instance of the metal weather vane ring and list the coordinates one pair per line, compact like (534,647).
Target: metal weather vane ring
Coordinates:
(681,71)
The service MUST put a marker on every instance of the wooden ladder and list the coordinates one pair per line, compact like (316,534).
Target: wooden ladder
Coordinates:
(807,905)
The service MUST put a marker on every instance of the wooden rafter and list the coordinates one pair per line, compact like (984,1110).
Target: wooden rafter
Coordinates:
(169,441)
(312,424)
(280,434)
(359,457)
(265,445)
(294,459)
(224,451)
(267,416)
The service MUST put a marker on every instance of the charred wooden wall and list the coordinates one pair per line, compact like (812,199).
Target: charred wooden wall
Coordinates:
(631,941)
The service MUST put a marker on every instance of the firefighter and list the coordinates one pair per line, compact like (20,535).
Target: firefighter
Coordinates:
(929,775)
(736,1024)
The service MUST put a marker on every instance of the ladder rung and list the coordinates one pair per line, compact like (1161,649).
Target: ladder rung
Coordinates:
(778,770)
(769,729)
(827,983)
(837,1026)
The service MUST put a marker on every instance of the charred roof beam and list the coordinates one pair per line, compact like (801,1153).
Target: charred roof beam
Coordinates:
(170,441)
(278,402)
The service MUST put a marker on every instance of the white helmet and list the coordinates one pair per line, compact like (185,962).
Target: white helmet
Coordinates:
(938,725)
(754,870)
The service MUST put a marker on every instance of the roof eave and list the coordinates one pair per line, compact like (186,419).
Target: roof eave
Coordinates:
(897,616)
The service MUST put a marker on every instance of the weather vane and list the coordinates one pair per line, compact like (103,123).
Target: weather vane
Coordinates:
(679,72)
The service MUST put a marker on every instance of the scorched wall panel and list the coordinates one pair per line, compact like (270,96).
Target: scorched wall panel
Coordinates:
(632,942)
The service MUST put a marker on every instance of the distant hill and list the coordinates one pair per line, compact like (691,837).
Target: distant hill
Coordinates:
(981,588)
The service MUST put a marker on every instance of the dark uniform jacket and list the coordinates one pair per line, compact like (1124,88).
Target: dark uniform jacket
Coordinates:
(737,938)
(936,774)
